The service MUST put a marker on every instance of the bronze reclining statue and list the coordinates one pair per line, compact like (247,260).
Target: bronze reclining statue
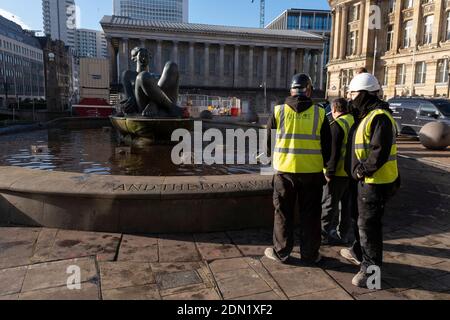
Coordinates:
(146,95)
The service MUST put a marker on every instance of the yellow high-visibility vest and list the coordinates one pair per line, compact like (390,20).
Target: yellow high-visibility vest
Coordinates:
(298,146)
(389,172)
(346,122)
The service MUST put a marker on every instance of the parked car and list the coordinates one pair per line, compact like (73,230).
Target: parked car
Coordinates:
(413,113)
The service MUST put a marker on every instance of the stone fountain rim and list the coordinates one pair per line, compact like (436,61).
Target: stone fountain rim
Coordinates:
(69,184)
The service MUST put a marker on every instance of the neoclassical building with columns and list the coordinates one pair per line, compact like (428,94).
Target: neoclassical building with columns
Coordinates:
(219,60)
(408,51)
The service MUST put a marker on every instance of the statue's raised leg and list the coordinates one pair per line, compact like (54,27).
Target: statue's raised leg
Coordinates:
(147,91)
(169,82)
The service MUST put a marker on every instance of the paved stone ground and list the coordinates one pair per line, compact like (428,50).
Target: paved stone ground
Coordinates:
(228,265)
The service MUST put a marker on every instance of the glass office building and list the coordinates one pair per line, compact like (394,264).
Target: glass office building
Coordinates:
(315,21)
(153,10)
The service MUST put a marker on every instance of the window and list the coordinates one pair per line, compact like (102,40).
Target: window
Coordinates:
(293,22)
(407,34)
(354,13)
(408,4)
(448,26)
(428,110)
(352,42)
(428,29)
(442,71)
(392,6)
(386,76)
(401,74)
(421,72)
(307,21)
(390,37)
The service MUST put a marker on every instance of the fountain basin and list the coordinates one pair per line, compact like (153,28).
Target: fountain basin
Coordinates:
(127,204)
(155,129)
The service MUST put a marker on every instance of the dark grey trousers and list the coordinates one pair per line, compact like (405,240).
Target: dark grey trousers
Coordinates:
(336,192)
(306,191)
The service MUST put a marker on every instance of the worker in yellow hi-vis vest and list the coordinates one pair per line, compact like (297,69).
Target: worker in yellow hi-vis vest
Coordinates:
(303,146)
(336,205)
(374,166)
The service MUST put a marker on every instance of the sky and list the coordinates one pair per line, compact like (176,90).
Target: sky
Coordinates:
(221,12)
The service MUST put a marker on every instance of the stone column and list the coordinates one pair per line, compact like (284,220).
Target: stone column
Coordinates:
(337,40)
(343,33)
(417,24)
(292,62)
(158,60)
(439,12)
(191,62)
(236,65)
(175,52)
(206,62)
(397,26)
(301,60)
(222,64)
(278,69)
(361,28)
(123,57)
(250,66)
(113,70)
(143,43)
(264,71)
(332,39)
(321,69)
(307,61)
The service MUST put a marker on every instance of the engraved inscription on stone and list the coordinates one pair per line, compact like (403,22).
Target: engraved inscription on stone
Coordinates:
(190,187)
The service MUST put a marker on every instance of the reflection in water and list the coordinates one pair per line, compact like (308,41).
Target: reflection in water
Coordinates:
(93,151)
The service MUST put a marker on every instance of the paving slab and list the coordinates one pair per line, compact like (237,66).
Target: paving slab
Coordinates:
(240,283)
(213,246)
(179,279)
(332,294)
(252,242)
(89,291)
(171,267)
(116,275)
(138,249)
(260,269)
(54,274)
(16,246)
(148,292)
(204,294)
(76,244)
(177,248)
(228,265)
(303,280)
(10,297)
(381,295)
(265,296)
(11,280)
(44,245)
(344,277)
(423,294)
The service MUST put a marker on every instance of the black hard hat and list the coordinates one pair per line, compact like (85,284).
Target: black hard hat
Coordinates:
(301,81)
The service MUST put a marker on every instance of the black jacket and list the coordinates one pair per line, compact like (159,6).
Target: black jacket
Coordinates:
(301,104)
(381,141)
(337,140)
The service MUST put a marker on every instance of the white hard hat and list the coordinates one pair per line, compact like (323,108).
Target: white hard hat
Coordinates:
(364,82)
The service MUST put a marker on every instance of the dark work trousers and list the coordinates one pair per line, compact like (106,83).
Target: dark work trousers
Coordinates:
(371,205)
(306,190)
(356,247)
(336,192)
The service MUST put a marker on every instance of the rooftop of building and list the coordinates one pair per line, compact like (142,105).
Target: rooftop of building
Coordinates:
(14,31)
(205,28)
